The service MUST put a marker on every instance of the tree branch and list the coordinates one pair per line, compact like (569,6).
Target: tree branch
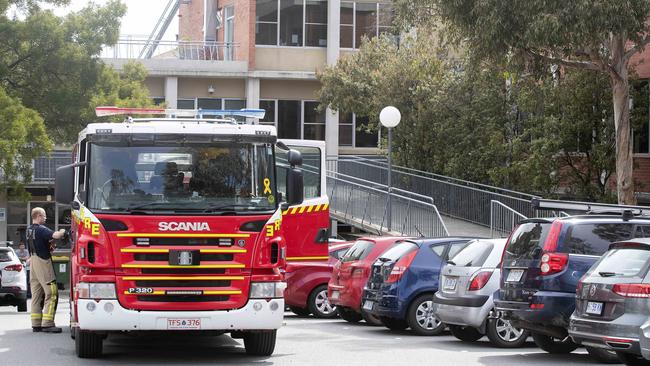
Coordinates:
(637,48)
(589,65)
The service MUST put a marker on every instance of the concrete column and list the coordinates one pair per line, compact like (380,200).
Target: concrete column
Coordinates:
(171,92)
(252,95)
(333,53)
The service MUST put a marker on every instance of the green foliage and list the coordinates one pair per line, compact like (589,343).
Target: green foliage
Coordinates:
(22,139)
(50,63)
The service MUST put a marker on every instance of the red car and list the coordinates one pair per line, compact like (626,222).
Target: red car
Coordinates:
(351,274)
(306,291)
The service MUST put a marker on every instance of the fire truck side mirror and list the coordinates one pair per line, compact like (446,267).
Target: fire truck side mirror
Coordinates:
(295,158)
(64,184)
(295,186)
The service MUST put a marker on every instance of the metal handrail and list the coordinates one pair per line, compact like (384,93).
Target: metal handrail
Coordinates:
(497,217)
(138,48)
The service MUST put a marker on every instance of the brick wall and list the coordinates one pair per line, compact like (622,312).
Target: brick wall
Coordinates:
(190,20)
(642,173)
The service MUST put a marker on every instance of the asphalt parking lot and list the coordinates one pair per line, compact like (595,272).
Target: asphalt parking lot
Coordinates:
(302,341)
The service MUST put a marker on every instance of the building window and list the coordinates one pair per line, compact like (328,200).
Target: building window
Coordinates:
(289,113)
(158,100)
(270,107)
(359,19)
(292,23)
(314,122)
(640,116)
(353,131)
(235,105)
(186,103)
(346,129)
(208,103)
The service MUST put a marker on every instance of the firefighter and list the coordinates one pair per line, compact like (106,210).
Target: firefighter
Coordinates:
(43,280)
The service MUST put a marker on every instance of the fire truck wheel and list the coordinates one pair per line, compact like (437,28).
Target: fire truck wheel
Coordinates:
(260,343)
(299,311)
(319,304)
(348,315)
(88,344)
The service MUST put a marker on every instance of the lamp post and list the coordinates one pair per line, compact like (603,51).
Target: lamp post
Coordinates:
(389,118)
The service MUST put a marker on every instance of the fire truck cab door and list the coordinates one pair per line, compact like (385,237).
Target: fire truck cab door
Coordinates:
(306,226)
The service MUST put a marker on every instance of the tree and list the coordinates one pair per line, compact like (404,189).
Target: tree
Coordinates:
(51,63)
(585,34)
(22,139)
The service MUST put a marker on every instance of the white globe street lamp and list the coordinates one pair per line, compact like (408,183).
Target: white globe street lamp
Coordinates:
(390,118)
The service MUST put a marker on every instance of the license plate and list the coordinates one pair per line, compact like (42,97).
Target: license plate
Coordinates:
(184,323)
(594,308)
(368,305)
(336,295)
(515,275)
(450,283)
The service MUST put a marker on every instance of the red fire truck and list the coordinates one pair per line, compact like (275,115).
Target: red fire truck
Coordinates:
(183,223)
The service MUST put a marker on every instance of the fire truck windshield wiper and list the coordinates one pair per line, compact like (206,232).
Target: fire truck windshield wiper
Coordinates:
(233,206)
(143,205)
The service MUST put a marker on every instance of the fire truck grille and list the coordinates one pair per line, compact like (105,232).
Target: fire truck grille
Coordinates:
(183,241)
(165,271)
(181,283)
(165,257)
(184,298)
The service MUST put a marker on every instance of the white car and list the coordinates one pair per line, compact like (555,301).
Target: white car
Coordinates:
(13,280)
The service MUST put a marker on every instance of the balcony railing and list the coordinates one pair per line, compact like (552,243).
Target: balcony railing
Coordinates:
(141,48)
(45,167)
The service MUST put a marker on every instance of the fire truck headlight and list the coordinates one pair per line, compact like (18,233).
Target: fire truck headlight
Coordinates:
(267,290)
(96,291)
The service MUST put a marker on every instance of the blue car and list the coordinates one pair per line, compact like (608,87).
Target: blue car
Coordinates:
(541,267)
(403,280)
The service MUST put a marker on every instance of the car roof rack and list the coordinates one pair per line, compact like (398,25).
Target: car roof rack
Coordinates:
(590,208)
(181,113)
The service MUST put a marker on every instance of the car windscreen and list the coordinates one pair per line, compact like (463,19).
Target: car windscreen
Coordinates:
(5,256)
(473,255)
(338,254)
(625,262)
(527,241)
(358,251)
(398,250)
(594,239)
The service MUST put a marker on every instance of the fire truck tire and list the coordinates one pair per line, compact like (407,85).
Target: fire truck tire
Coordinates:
(88,344)
(348,315)
(299,311)
(260,343)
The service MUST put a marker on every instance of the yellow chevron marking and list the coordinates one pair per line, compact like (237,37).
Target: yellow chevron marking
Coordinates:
(325,206)
(191,235)
(302,209)
(311,207)
(197,278)
(317,208)
(285,212)
(293,210)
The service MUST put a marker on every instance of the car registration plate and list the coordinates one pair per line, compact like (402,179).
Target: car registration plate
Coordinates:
(515,275)
(368,305)
(336,295)
(450,283)
(594,308)
(193,323)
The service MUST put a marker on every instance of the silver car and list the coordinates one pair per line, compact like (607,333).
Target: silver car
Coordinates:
(613,303)
(465,296)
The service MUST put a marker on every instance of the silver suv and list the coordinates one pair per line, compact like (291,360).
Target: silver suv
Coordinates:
(465,298)
(613,301)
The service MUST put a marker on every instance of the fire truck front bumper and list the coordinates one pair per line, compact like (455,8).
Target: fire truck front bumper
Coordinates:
(109,315)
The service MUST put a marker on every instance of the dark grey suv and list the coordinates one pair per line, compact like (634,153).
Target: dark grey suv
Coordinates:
(613,301)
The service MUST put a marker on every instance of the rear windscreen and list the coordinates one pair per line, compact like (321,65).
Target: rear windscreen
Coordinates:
(624,263)
(5,256)
(398,250)
(358,251)
(527,241)
(594,239)
(473,255)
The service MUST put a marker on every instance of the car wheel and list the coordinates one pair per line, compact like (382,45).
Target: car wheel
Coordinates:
(394,323)
(421,318)
(553,345)
(465,334)
(502,334)
(260,343)
(349,315)
(88,344)
(299,311)
(22,306)
(632,359)
(603,355)
(319,304)
(371,319)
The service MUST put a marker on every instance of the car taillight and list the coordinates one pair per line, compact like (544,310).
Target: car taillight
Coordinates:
(553,237)
(400,267)
(636,290)
(14,268)
(480,280)
(553,263)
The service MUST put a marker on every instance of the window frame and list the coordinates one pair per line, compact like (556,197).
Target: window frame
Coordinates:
(277,23)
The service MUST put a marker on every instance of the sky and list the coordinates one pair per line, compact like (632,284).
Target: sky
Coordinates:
(140,19)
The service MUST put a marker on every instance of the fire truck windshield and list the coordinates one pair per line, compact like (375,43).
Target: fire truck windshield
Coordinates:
(181,177)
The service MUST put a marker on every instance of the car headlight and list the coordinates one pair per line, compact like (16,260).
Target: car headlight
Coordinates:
(96,290)
(266,290)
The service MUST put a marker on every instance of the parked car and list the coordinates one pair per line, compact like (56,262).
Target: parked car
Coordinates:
(403,280)
(306,291)
(613,301)
(542,264)
(465,301)
(350,275)
(644,344)
(13,280)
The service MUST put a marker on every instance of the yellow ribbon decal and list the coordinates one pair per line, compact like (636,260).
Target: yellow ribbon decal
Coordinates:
(267,186)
